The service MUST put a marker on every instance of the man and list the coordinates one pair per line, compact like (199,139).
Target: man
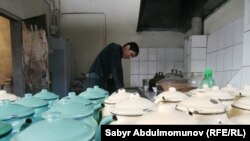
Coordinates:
(106,71)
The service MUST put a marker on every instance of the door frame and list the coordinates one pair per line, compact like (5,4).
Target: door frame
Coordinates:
(17,51)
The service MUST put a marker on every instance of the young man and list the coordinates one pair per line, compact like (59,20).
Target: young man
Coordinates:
(106,71)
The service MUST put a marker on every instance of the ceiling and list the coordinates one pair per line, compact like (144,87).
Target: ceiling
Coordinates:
(173,15)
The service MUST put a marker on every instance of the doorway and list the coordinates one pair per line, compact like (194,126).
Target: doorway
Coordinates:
(6,78)
(12,36)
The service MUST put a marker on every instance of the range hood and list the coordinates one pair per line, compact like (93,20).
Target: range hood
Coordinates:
(173,15)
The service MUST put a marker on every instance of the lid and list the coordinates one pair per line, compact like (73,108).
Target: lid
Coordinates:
(46,95)
(201,104)
(134,105)
(5,128)
(242,119)
(171,95)
(31,101)
(216,93)
(10,110)
(198,90)
(245,91)
(91,94)
(229,88)
(54,128)
(70,109)
(167,117)
(121,94)
(100,90)
(7,96)
(74,98)
(243,103)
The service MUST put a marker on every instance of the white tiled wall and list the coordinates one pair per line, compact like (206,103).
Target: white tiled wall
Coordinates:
(224,52)
(245,70)
(153,60)
(195,54)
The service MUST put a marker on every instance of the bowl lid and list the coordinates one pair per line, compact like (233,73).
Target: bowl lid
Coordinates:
(54,128)
(30,101)
(7,96)
(230,88)
(100,90)
(198,90)
(121,94)
(10,110)
(134,105)
(201,104)
(70,109)
(243,103)
(74,98)
(245,91)
(46,95)
(216,93)
(92,94)
(167,117)
(242,119)
(171,95)
(5,128)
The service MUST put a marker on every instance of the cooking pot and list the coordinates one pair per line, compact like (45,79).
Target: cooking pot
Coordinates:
(245,91)
(88,103)
(130,109)
(173,80)
(204,109)
(56,128)
(152,82)
(230,89)
(73,110)
(97,96)
(226,98)
(5,130)
(74,98)
(198,90)
(7,96)
(39,105)
(114,98)
(48,96)
(100,90)
(14,114)
(166,117)
(170,97)
(240,107)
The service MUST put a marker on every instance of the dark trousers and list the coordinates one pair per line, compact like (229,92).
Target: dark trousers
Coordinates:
(111,86)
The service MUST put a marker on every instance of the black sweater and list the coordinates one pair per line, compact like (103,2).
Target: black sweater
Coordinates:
(108,64)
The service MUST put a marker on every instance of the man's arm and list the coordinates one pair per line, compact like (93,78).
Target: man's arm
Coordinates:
(116,68)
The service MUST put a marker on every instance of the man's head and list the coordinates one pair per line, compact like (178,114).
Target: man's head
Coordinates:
(130,50)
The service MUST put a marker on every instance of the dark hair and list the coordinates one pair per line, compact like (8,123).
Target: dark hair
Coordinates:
(133,46)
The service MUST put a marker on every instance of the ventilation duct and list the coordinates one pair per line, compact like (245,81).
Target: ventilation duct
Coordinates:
(197,26)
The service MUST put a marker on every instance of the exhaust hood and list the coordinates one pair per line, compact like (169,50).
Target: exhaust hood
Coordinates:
(173,15)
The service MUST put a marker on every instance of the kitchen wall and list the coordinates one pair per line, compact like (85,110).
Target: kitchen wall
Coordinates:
(224,51)
(226,40)
(152,60)
(117,21)
(227,43)
(245,69)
